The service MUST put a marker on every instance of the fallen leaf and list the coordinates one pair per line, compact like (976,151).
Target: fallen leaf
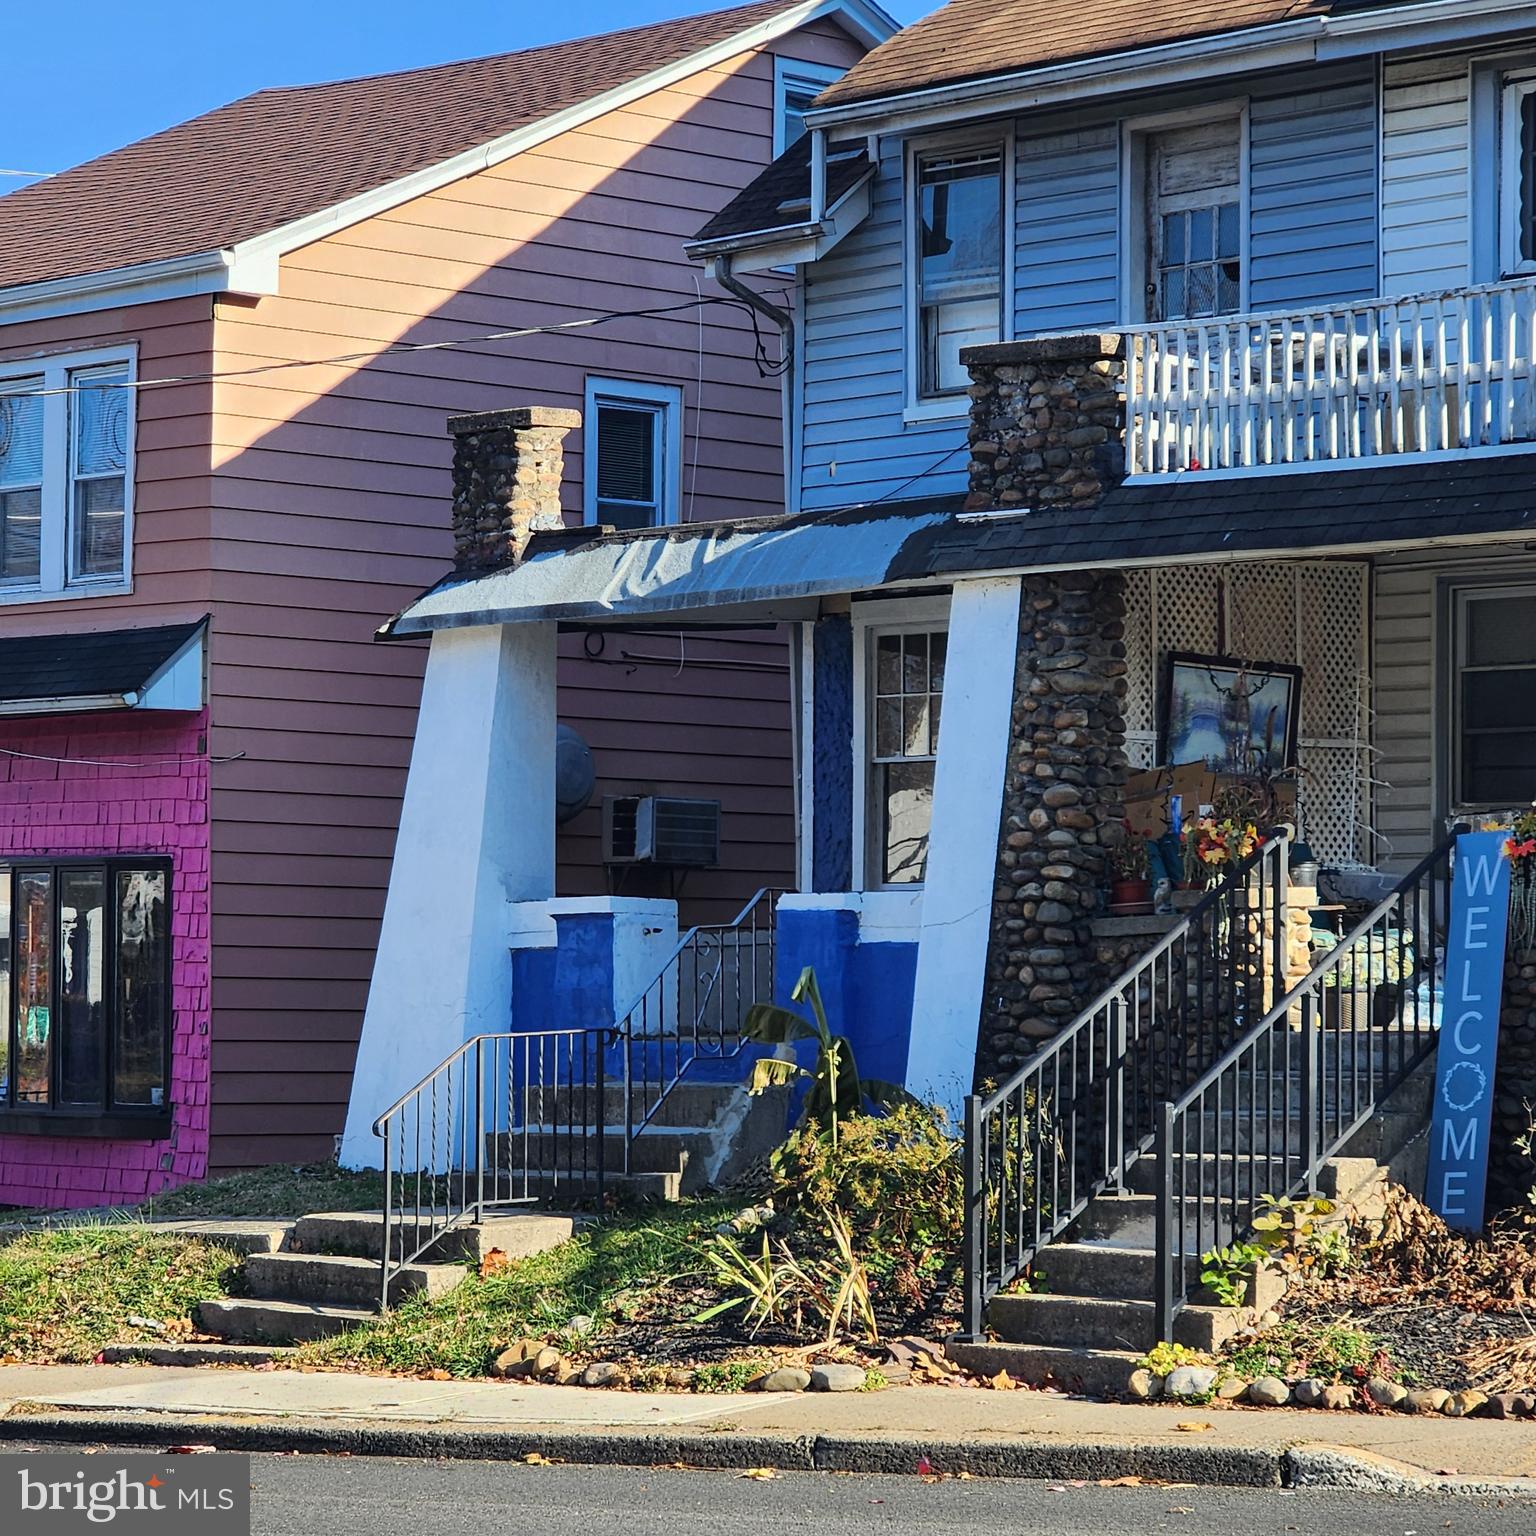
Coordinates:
(496,1259)
(439,1375)
(535,1459)
(1193,1426)
(1002,1382)
(924,1466)
(1180,1509)
(671,1466)
(759,1474)
(1120,1482)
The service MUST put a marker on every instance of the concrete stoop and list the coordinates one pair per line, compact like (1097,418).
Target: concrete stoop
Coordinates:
(1093,1317)
(319,1276)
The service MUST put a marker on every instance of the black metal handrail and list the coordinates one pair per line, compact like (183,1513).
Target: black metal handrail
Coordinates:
(1293,1089)
(1073,1120)
(507,1119)
(695,1007)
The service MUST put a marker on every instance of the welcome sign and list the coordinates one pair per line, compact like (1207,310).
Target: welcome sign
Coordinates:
(1469,1030)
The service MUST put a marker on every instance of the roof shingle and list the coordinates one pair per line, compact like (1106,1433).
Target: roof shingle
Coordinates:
(971,39)
(279,155)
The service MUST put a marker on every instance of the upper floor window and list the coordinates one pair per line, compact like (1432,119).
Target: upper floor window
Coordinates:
(633,452)
(1194,221)
(796,84)
(1517,210)
(1494,682)
(85,989)
(959,263)
(66,448)
(907,693)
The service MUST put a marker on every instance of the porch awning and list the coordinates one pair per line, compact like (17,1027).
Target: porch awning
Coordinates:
(159,668)
(768,568)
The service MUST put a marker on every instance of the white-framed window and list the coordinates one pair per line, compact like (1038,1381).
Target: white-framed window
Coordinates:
(1493,703)
(904,700)
(632,453)
(66,475)
(796,84)
(957,255)
(1517,174)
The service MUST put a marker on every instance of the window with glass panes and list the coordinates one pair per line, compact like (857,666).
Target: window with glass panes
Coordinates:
(960,263)
(66,430)
(1495,697)
(1194,218)
(1518,174)
(906,699)
(85,987)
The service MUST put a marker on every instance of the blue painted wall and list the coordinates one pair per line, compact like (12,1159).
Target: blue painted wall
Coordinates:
(569,984)
(866,988)
(832,754)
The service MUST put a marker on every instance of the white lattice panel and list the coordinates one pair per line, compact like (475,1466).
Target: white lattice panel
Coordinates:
(1310,614)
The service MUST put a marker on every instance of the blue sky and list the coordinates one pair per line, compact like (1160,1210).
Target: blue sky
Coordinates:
(84,76)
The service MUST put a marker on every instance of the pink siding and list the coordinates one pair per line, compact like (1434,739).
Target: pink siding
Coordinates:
(330,512)
(135,784)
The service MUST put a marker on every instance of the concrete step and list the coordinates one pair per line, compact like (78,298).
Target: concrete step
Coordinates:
(360,1234)
(1092,1372)
(1110,1273)
(246,1320)
(689,1104)
(244,1237)
(1130,1221)
(1085,1322)
(1207,1173)
(341,1281)
(194,1354)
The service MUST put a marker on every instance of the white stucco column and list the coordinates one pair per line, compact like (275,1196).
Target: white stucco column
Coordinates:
(477,831)
(962,845)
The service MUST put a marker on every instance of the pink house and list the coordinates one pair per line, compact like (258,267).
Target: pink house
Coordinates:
(227,357)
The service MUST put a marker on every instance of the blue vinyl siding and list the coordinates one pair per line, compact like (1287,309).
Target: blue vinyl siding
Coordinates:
(855,446)
(1067,215)
(1313,194)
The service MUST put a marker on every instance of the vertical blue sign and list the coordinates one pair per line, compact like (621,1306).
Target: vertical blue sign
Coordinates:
(1469,1030)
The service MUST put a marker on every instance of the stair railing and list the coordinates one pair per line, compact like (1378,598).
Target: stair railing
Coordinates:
(506,1120)
(1073,1120)
(695,1007)
(1293,1089)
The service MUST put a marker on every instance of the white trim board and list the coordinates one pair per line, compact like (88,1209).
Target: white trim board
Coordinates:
(251,266)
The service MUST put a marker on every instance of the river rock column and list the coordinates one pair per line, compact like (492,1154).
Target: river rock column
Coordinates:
(1062,813)
(1512,1171)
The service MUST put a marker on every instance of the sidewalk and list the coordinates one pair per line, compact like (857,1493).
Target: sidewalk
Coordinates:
(1016,1434)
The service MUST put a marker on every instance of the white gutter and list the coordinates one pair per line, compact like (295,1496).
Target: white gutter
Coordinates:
(1299,41)
(174,278)
(82,703)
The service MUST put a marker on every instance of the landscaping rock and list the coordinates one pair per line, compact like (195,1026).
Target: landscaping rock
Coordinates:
(1269,1319)
(1427,1399)
(1144,1385)
(519,1359)
(601,1373)
(1384,1393)
(1269,1392)
(565,1373)
(788,1378)
(1308,1392)
(1339,1397)
(580,1325)
(1505,1405)
(837,1378)
(680,1376)
(1190,1381)
(1462,1405)
(546,1360)
(1231,1388)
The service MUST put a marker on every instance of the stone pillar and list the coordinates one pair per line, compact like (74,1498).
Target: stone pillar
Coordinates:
(1512,1173)
(1047,421)
(1062,812)
(507,468)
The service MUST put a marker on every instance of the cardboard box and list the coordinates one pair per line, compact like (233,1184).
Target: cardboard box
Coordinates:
(1149,795)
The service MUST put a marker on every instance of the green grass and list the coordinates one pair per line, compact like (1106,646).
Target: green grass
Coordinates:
(66,1294)
(277,1192)
(611,1268)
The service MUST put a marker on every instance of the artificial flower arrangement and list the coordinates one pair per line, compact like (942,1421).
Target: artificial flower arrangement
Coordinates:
(1211,847)
(1521,848)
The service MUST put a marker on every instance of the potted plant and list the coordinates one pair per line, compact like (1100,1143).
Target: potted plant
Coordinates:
(1521,848)
(1367,987)
(1130,891)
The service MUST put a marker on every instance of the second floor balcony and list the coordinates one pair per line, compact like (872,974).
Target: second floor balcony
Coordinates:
(1446,373)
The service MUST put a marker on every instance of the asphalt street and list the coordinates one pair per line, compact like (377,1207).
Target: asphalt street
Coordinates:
(306,1495)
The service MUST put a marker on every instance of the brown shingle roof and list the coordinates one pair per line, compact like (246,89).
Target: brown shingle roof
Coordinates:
(279,155)
(780,196)
(971,39)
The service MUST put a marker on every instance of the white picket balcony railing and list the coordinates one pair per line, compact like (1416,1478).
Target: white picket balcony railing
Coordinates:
(1439,373)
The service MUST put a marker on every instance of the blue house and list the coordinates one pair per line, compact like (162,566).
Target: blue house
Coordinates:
(1149,374)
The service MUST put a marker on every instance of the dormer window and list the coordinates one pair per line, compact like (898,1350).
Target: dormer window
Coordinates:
(959,255)
(796,84)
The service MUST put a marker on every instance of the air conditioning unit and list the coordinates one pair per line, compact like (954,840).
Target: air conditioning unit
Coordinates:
(661,829)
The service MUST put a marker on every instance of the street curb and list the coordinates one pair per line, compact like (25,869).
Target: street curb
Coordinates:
(1314,1466)
(736,1449)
